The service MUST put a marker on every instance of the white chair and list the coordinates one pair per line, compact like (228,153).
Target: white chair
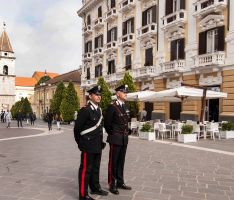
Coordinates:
(196,129)
(178,128)
(134,126)
(156,129)
(214,128)
(163,130)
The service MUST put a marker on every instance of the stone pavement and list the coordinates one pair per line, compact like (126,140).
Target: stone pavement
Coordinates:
(45,168)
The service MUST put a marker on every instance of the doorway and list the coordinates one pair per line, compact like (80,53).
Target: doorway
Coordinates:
(149,107)
(212,110)
(175,110)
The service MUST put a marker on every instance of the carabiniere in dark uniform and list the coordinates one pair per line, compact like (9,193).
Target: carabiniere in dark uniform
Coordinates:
(88,133)
(116,125)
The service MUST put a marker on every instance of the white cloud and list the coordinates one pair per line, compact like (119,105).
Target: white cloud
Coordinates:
(43,35)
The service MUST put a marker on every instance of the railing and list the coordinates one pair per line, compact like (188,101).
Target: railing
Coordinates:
(216,58)
(87,29)
(111,45)
(205,7)
(174,18)
(111,14)
(98,22)
(87,55)
(148,29)
(129,38)
(126,5)
(174,66)
(98,50)
(144,72)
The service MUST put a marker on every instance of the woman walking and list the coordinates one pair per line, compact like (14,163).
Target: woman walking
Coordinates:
(8,118)
(58,120)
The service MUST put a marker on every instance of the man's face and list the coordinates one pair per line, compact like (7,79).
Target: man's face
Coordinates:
(95,98)
(121,95)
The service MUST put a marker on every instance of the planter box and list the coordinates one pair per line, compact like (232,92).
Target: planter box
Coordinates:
(227,134)
(147,135)
(185,138)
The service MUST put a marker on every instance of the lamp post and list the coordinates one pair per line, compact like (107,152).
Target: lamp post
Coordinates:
(43,84)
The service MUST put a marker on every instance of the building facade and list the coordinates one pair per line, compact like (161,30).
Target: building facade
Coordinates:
(45,92)
(7,72)
(162,43)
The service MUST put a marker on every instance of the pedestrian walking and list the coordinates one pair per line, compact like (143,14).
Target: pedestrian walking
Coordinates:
(27,118)
(32,118)
(8,118)
(116,125)
(58,121)
(88,133)
(19,118)
(49,119)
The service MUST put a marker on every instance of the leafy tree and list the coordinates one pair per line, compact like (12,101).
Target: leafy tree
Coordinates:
(26,107)
(70,103)
(106,94)
(133,106)
(57,98)
(16,107)
(43,79)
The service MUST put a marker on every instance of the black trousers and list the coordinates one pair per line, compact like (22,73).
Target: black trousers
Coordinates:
(89,172)
(116,165)
(50,125)
(19,123)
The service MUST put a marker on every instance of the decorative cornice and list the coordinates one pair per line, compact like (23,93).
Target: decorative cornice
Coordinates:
(87,7)
(211,21)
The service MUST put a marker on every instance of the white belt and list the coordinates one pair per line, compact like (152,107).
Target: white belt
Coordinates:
(92,128)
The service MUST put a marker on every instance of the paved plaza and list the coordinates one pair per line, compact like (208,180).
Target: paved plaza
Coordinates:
(39,165)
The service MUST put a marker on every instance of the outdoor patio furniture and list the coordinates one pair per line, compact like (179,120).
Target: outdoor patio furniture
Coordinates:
(197,130)
(212,130)
(163,130)
(178,128)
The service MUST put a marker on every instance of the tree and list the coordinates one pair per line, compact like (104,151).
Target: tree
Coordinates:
(70,103)
(106,94)
(26,107)
(57,98)
(133,106)
(43,79)
(16,107)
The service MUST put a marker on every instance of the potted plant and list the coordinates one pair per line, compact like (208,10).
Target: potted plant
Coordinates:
(227,131)
(187,134)
(147,132)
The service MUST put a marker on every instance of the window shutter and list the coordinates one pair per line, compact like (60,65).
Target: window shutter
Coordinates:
(181,49)
(169,7)
(91,46)
(202,43)
(144,18)
(154,14)
(108,36)
(96,42)
(124,28)
(86,47)
(112,3)
(132,25)
(182,4)
(115,30)
(149,57)
(221,40)
(88,20)
(173,50)
(101,40)
(100,11)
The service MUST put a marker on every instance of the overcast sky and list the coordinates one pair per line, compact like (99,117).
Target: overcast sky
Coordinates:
(44,34)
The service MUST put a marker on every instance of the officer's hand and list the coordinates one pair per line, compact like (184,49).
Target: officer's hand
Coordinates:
(103,145)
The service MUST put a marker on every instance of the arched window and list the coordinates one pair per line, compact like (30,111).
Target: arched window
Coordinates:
(5,70)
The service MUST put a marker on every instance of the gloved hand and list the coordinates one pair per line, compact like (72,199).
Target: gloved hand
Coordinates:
(103,145)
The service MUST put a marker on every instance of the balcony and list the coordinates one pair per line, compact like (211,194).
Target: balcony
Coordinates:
(175,19)
(98,52)
(111,46)
(144,72)
(205,7)
(216,59)
(176,66)
(87,30)
(98,23)
(128,39)
(87,56)
(111,15)
(149,30)
(126,5)
(89,83)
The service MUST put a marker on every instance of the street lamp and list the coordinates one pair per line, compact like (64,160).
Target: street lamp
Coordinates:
(43,84)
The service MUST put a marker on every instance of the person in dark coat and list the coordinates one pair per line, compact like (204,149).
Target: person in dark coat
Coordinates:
(50,119)
(19,118)
(88,133)
(116,125)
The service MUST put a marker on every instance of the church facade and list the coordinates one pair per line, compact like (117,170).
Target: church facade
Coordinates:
(7,73)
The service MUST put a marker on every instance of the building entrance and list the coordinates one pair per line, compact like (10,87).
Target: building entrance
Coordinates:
(175,110)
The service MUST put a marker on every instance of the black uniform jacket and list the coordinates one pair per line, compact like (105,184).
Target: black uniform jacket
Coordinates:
(116,124)
(91,142)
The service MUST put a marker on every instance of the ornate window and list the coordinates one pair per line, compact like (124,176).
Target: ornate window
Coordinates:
(5,70)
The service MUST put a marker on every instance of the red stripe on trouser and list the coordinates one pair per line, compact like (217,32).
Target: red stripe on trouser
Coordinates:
(110,164)
(83,176)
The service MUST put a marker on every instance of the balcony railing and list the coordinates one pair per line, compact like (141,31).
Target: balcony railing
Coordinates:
(87,56)
(173,66)
(98,51)
(126,5)
(148,30)
(127,39)
(111,14)
(205,7)
(111,46)
(87,30)
(98,22)
(210,59)
(174,19)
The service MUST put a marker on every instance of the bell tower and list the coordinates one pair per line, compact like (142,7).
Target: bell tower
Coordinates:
(7,72)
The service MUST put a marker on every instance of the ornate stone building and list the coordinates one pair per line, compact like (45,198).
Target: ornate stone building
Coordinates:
(162,43)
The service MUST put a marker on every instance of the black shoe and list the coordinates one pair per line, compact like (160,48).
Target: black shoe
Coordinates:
(99,192)
(87,197)
(114,190)
(124,187)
